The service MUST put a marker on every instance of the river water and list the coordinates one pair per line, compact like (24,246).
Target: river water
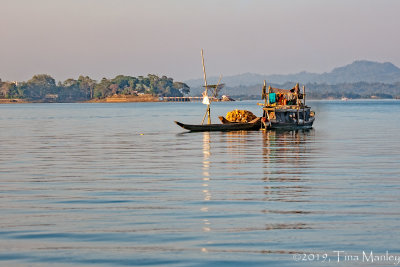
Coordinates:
(122,185)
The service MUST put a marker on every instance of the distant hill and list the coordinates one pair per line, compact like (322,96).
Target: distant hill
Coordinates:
(325,91)
(358,71)
(363,71)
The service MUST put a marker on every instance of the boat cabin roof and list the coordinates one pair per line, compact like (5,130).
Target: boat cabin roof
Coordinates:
(281,108)
(280,91)
(294,90)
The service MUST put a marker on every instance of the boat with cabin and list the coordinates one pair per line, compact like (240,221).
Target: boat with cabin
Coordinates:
(286,109)
(282,109)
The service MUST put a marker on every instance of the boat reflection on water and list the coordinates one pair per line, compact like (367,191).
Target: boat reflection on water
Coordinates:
(283,159)
(206,165)
(287,156)
(259,185)
(287,147)
(205,186)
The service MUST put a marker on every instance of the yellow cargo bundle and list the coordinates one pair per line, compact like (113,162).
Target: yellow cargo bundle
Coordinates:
(240,116)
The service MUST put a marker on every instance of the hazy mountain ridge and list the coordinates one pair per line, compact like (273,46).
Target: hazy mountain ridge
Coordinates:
(326,91)
(358,71)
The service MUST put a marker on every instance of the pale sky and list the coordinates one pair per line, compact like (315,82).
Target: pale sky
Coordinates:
(103,38)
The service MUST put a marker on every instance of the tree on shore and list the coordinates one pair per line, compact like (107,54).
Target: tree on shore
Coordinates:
(43,87)
(40,85)
(7,89)
(86,85)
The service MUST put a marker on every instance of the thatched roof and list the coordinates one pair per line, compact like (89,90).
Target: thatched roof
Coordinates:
(279,91)
(285,91)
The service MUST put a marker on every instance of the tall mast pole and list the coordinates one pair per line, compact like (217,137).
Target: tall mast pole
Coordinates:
(204,70)
(205,85)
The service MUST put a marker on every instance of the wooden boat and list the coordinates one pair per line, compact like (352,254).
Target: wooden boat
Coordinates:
(233,126)
(226,125)
(286,109)
(224,121)
(289,118)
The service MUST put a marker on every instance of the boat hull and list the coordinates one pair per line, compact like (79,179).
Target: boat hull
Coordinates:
(291,126)
(256,125)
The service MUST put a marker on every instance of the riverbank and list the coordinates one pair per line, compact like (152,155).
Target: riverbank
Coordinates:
(111,99)
(125,98)
(13,101)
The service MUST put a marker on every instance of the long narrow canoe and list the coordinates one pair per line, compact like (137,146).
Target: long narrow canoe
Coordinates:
(240,126)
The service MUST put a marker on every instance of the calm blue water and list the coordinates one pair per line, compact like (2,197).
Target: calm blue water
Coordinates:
(122,185)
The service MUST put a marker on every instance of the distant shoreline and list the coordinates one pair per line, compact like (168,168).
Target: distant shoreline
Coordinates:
(146,98)
(125,99)
(13,101)
(111,99)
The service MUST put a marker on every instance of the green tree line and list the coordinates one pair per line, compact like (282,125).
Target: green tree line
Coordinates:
(44,87)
